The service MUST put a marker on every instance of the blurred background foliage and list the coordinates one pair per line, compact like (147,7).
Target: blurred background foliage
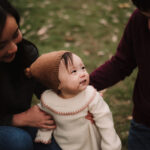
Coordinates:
(90,28)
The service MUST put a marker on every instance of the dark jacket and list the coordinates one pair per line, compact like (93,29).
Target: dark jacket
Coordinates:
(16,90)
(133,51)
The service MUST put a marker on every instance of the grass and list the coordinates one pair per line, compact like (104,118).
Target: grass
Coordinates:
(90,28)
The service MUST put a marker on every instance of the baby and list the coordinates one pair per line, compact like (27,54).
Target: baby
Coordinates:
(68,100)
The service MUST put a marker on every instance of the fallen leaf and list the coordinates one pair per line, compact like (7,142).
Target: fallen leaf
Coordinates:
(124,5)
(100,53)
(86,52)
(129,118)
(42,31)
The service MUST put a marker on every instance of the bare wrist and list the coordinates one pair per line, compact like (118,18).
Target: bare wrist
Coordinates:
(19,119)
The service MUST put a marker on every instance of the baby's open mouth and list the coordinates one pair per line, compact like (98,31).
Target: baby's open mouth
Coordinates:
(82,82)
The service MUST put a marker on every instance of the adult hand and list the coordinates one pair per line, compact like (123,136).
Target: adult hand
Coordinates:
(89,116)
(102,92)
(34,117)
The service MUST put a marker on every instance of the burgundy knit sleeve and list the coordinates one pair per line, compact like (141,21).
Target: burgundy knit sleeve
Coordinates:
(120,65)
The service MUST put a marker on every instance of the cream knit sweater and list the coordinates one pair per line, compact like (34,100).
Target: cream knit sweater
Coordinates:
(73,131)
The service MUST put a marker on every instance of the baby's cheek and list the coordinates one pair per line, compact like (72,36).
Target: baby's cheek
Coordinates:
(75,81)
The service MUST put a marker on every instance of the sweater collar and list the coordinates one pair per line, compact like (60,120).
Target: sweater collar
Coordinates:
(61,106)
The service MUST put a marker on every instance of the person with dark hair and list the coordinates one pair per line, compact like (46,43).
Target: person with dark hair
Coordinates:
(133,52)
(18,120)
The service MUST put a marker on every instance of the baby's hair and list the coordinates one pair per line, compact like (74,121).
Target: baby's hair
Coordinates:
(66,57)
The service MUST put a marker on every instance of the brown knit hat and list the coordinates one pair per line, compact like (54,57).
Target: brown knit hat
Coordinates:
(45,69)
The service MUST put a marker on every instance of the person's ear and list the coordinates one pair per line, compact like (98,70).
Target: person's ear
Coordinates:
(28,72)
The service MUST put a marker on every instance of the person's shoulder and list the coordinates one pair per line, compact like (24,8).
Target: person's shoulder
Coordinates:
(28,43)
(136,20)
(137,15)
(94,93)
(28,46)
(27,51)
(135,12)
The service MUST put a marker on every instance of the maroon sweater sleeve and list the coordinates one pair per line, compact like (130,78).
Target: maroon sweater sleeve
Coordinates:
(120,65)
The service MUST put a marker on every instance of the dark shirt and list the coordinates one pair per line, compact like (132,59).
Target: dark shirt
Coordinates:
(16,90)
(133,51)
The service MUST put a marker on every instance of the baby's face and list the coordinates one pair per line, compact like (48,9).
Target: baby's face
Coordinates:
(73,79)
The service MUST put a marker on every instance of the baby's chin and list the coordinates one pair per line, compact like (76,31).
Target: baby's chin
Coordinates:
(82,87)
(83,84)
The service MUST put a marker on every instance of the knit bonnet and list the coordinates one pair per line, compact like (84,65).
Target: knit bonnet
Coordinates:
(46,67)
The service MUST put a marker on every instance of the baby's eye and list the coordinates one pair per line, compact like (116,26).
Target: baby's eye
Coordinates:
(83,67)
(73,71)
